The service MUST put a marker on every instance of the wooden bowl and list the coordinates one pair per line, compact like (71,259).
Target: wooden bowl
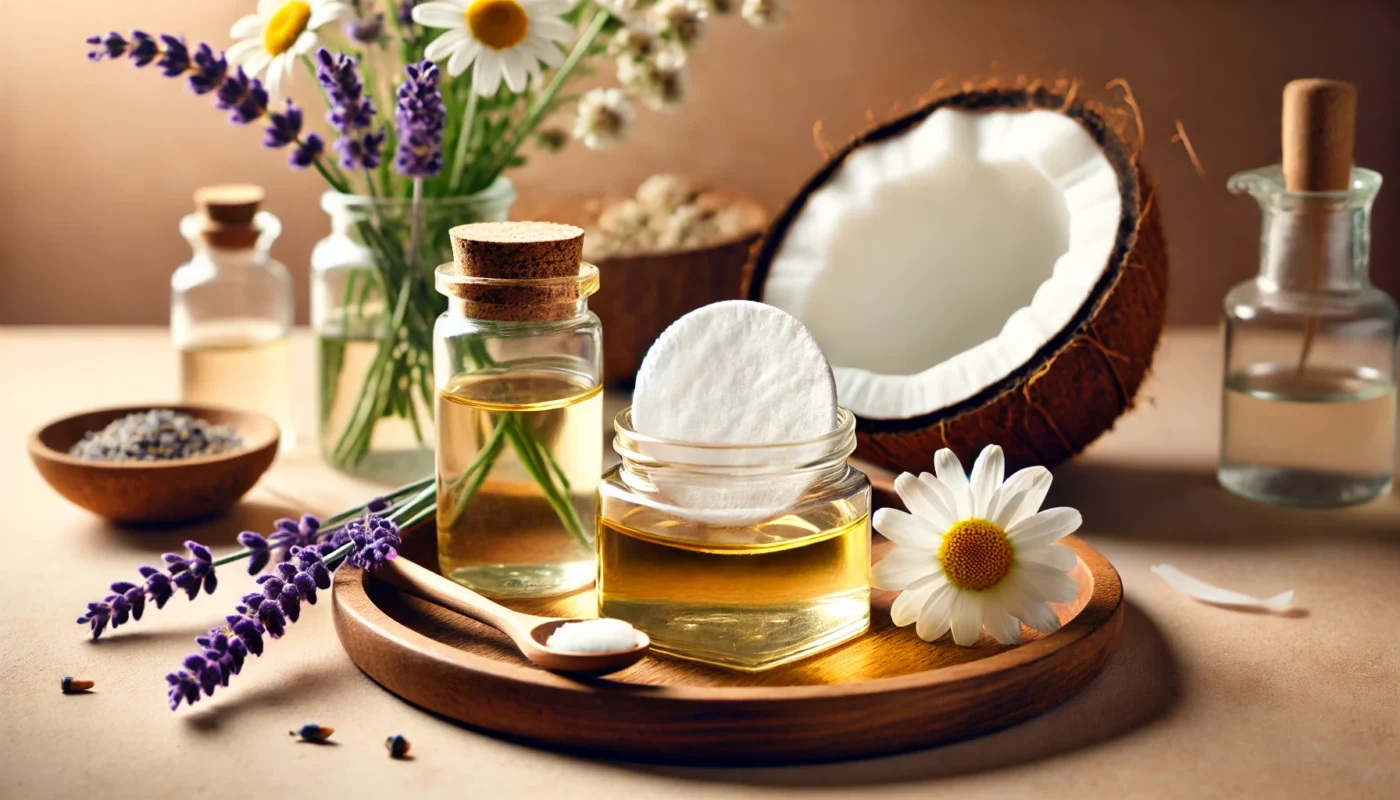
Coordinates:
(144,492)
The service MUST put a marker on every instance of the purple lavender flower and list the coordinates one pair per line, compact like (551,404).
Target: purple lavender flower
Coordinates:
(420,119)
(367,543)
(406,11)
(366,30)
(128,600)
(352,112)
(244,97)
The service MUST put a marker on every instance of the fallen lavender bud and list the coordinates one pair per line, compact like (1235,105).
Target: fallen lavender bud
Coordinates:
(72,685)
(397,745)
(311,732)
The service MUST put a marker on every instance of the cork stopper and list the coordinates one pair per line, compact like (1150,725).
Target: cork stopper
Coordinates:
(228,211)
(1319,135)
(531,269)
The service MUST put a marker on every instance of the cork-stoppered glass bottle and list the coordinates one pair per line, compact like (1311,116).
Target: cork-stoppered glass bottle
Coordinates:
(518,366)
(1309,386)
(231,308)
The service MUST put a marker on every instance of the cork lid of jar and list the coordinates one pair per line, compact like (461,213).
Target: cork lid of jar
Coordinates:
(228,212)
(529,270)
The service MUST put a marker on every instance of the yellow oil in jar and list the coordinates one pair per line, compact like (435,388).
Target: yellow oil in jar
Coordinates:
(240,363)
(747,598)
(518,459)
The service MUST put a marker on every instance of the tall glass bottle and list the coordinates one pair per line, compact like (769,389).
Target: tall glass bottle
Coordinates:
(1309,399)
(518,364)
(231,308)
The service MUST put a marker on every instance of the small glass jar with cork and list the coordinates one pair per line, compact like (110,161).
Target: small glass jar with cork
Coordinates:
(231,307)
(518,366)
(1309,397)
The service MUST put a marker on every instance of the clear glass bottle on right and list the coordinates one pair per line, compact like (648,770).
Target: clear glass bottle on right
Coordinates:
(1310,345)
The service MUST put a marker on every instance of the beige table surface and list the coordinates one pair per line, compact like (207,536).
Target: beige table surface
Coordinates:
(1198,702)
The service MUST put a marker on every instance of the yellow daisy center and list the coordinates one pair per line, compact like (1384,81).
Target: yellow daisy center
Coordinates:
(498,24)
(286,26)
(975,554)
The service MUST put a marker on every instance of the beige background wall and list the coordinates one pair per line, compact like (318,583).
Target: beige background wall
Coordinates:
(97,161)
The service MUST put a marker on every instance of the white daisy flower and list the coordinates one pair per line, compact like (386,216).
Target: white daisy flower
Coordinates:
(505,39)
(681,21)
(764,13)
(976,552)
(278,34)
(604,118)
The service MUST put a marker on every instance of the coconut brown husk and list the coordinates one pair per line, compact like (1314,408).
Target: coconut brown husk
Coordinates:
(1079,383)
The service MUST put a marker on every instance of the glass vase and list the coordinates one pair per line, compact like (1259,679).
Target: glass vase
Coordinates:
(373,306)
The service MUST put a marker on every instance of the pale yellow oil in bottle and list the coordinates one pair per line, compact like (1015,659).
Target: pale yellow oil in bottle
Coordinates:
(242,364)
(744,598)
(518,460)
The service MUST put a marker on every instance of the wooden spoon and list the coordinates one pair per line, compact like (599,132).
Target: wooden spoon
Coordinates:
(527,631)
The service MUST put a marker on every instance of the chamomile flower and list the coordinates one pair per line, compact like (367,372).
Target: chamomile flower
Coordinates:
(976,552)
(604,118)
(662,82)
(764,13)
(278,34)
(505,39)
(682,21)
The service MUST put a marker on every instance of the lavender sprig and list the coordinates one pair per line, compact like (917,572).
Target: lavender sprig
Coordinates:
(420,119)
(365,543)
(352,111)
(244,98)
(127,600)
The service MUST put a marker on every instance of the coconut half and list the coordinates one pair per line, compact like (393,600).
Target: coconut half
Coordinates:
(988,269)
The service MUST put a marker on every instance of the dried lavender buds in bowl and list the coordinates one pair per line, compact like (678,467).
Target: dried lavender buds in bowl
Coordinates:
(160,434)
(139,465)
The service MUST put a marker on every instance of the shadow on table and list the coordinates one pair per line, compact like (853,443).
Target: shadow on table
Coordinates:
(219,533)
(296,689)
(1139,686)
(1188,505)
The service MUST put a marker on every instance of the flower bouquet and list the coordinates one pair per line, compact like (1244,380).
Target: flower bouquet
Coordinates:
(415,152)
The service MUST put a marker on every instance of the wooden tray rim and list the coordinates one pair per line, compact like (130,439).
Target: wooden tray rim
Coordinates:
(350,595)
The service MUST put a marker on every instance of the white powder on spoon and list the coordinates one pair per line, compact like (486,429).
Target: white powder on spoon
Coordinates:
(593,636)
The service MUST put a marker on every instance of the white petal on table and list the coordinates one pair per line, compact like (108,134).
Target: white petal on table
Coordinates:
(1217,595)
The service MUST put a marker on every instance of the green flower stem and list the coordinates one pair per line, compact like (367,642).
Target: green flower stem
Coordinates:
(477,473)
(464,136)
(542,104)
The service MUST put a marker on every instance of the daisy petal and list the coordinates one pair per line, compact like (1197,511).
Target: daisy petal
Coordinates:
(966,618)
(1003,627)
(257,62)
(247,27)
(305,43)
(486,78)
(934,617)
(554,29)
(923,501)
(550,7)
(1023,489)
(515,68)
(267,8)
(1045,527)
(901,568)
(987,474)
(1037,614)
(440,15)
(443,46)
(950,472)
(1047,583)
(1054,555)
(465,54)
(241,52)
(277,70)
(905,608)
(906,530)
(945,495)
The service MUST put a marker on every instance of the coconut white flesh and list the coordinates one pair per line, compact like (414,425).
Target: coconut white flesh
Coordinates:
(935,263)
(731,373)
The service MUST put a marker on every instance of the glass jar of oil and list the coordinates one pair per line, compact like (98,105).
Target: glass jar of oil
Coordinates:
(519,433)
(231,308)
(775,566)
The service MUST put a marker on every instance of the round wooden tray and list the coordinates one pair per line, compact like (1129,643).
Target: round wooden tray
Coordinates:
(883,692)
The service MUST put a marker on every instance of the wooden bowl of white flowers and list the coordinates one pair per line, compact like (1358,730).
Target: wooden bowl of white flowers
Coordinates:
(661,254)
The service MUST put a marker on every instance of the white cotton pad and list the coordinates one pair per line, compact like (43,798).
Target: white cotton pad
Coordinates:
(733,373)
(593,636)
